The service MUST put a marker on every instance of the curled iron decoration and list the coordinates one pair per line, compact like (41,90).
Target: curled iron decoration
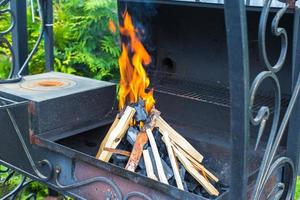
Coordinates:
(101,179)
(3,33)
(276,31)
(23,183)
(137,194)
(269,166)
(18,77)
(105,180)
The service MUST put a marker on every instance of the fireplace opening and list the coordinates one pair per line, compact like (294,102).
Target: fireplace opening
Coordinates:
(208,133)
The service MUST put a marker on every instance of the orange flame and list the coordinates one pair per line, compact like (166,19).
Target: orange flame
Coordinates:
(134,80)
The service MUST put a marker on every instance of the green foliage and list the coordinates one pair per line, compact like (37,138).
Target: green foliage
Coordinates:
(40,190)
(5,66)
(83,43)
(5,62)
(297,192)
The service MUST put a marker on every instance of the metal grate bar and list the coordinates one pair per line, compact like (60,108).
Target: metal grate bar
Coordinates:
(205,91)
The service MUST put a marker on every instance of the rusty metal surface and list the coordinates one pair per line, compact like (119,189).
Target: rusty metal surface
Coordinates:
(86,166)
(84,171)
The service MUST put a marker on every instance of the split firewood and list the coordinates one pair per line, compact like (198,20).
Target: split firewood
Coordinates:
(116,135)
(140,141)
(173,160)
(114,124)
(196,164)
(159,166)
(148,165)
(178,139)
(117,151)
(137,151)
(193,171)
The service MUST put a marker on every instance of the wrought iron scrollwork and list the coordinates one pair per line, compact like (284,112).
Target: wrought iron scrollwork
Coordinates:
(116,189)
(269,166)
(137,194)
(18,77)
(8,175)
(4,33)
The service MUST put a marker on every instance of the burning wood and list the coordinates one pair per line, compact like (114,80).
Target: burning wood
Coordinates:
(137,151)
(117,133)
(175,145)
(117,151)
(141,129)
(173,161)
(159,166)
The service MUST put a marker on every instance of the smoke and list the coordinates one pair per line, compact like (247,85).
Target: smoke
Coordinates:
(143,13)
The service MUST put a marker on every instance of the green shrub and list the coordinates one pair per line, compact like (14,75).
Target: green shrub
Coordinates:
(83,43)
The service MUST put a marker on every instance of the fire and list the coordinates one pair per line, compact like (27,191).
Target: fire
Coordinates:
(134,81)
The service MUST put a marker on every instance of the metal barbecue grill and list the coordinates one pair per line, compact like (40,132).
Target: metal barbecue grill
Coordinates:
(215,79)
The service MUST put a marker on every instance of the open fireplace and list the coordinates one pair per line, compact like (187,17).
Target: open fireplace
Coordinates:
(214,81)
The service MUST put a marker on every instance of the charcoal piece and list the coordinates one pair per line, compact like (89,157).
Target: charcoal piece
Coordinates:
(131,135)
(185,187)
(172,181)
(167,169)
(140,114)
(119,160)
(156,133)
(142,163)
(146,145)
(163,152)
(182,172)
(191,183)
(167,160)
(152,160)
(142,172)
(198,191)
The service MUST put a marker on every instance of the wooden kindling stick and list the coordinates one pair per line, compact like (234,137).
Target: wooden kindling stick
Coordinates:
(148,165)
(193,171)
(114,124)
(173,160)
(196,164)
(159,166)
(178,139)
(141,140)
(117,151)
(117,133)
(137,150)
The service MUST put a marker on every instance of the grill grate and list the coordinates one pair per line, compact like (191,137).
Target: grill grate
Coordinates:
(206,91)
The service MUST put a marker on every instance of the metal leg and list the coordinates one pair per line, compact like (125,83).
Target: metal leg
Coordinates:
(19,34)
(237,38)
(48,7)
(294,126)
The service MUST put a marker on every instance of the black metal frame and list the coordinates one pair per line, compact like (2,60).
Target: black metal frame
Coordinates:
(242,100)
(242,96)
(18,29)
